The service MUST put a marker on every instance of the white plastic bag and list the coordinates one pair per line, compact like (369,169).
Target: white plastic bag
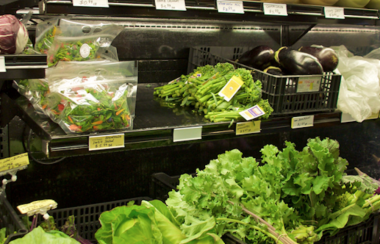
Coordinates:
(359,93)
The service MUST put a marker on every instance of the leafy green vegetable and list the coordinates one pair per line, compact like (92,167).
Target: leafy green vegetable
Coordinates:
(38,235)
(3,235)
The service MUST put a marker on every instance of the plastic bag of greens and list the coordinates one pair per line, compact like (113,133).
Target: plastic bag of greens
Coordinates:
(45,33)
(94,96)
(83,42)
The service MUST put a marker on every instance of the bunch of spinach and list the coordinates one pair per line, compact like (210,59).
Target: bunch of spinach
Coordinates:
(292,198)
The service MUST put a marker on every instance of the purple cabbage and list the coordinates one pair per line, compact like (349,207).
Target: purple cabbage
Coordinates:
(13,35)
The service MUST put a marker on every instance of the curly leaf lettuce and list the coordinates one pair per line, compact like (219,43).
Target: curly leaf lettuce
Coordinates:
(38,235)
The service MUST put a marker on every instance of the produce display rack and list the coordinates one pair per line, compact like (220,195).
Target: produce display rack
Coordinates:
(23,66)
(11,6)
(207,9)
(366,232)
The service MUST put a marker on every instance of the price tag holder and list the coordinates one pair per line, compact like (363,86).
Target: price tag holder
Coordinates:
(334,13)
(250,127)
(234,7)
(106,142)
(91,3)
(187,134)
(2,64)
(309,84)
(346,118)
(252,113)
(277,9)
(302,122)
(40,207)
(12,163)
(170,5)
(230,89)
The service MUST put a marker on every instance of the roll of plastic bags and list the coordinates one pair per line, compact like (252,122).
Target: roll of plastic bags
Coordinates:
(359,93)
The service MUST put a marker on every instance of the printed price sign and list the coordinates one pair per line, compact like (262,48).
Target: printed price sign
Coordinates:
(245,128)
(19,161)
(302,122)
(37,207)
(309,84)
(2,64)
(230,89)
(334,13)
(252,113)
(275,9)
(171,5)
(235,7)
(187,134)
(106,142)
(91,3)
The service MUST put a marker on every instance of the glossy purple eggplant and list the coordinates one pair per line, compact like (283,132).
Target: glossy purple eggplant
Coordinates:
(273,70)
(327,57)
(294,62)
(259,58)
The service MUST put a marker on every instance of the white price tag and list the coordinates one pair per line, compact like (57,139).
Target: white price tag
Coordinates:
(170,5)
(309,84)
(2,64)
(252,113)
(302,122)
(187,134)
(334,13)
(245,128)
(91,3)
(275,9)
(346,118)
(235,7)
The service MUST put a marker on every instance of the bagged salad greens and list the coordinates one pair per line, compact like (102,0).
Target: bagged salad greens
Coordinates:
(45,33)
(81,41)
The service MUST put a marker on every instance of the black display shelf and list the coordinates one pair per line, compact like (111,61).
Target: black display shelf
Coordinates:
(23,66)
(206,9)
(11,6)
(153,126)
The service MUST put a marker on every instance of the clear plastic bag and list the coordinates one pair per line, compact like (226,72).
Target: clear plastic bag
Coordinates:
(83,42)
(94,96)
(45,33)
(359,93)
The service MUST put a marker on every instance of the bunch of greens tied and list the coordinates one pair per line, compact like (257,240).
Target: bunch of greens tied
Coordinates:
(294,197)
(200,89)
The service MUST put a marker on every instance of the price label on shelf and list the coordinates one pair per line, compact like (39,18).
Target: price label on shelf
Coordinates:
(37,207)
(230,89)
(302,122)
(106,142)
(2,64)
(170,5)
(309,84)
(334,13)
(235,7)
(187,134)
(19,161)
(346,118)
(91,3)
(250,127)
(275,9)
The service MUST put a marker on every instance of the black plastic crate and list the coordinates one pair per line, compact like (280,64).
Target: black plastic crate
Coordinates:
(87,216)
(363,233)
(10,220)
(286,94)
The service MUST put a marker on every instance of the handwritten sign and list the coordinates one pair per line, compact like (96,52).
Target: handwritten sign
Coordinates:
(275,9)
(170,5)
(302,121)
(106,142)
(2,64)
(187,134)
(252,113)
(309,84)
(91,3)
(245,128)
(230,89)
(16,162)
(37,207)
(235,7)
(334,13)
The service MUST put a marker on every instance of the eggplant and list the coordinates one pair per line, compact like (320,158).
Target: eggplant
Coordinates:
(327,57)
(274,70)
(259,58)
(298,63)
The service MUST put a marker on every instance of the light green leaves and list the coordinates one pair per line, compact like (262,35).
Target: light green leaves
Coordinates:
(38,235)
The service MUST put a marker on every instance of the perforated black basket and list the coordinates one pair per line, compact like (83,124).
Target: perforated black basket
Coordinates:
(10,220)
(363,233)
(286,94)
